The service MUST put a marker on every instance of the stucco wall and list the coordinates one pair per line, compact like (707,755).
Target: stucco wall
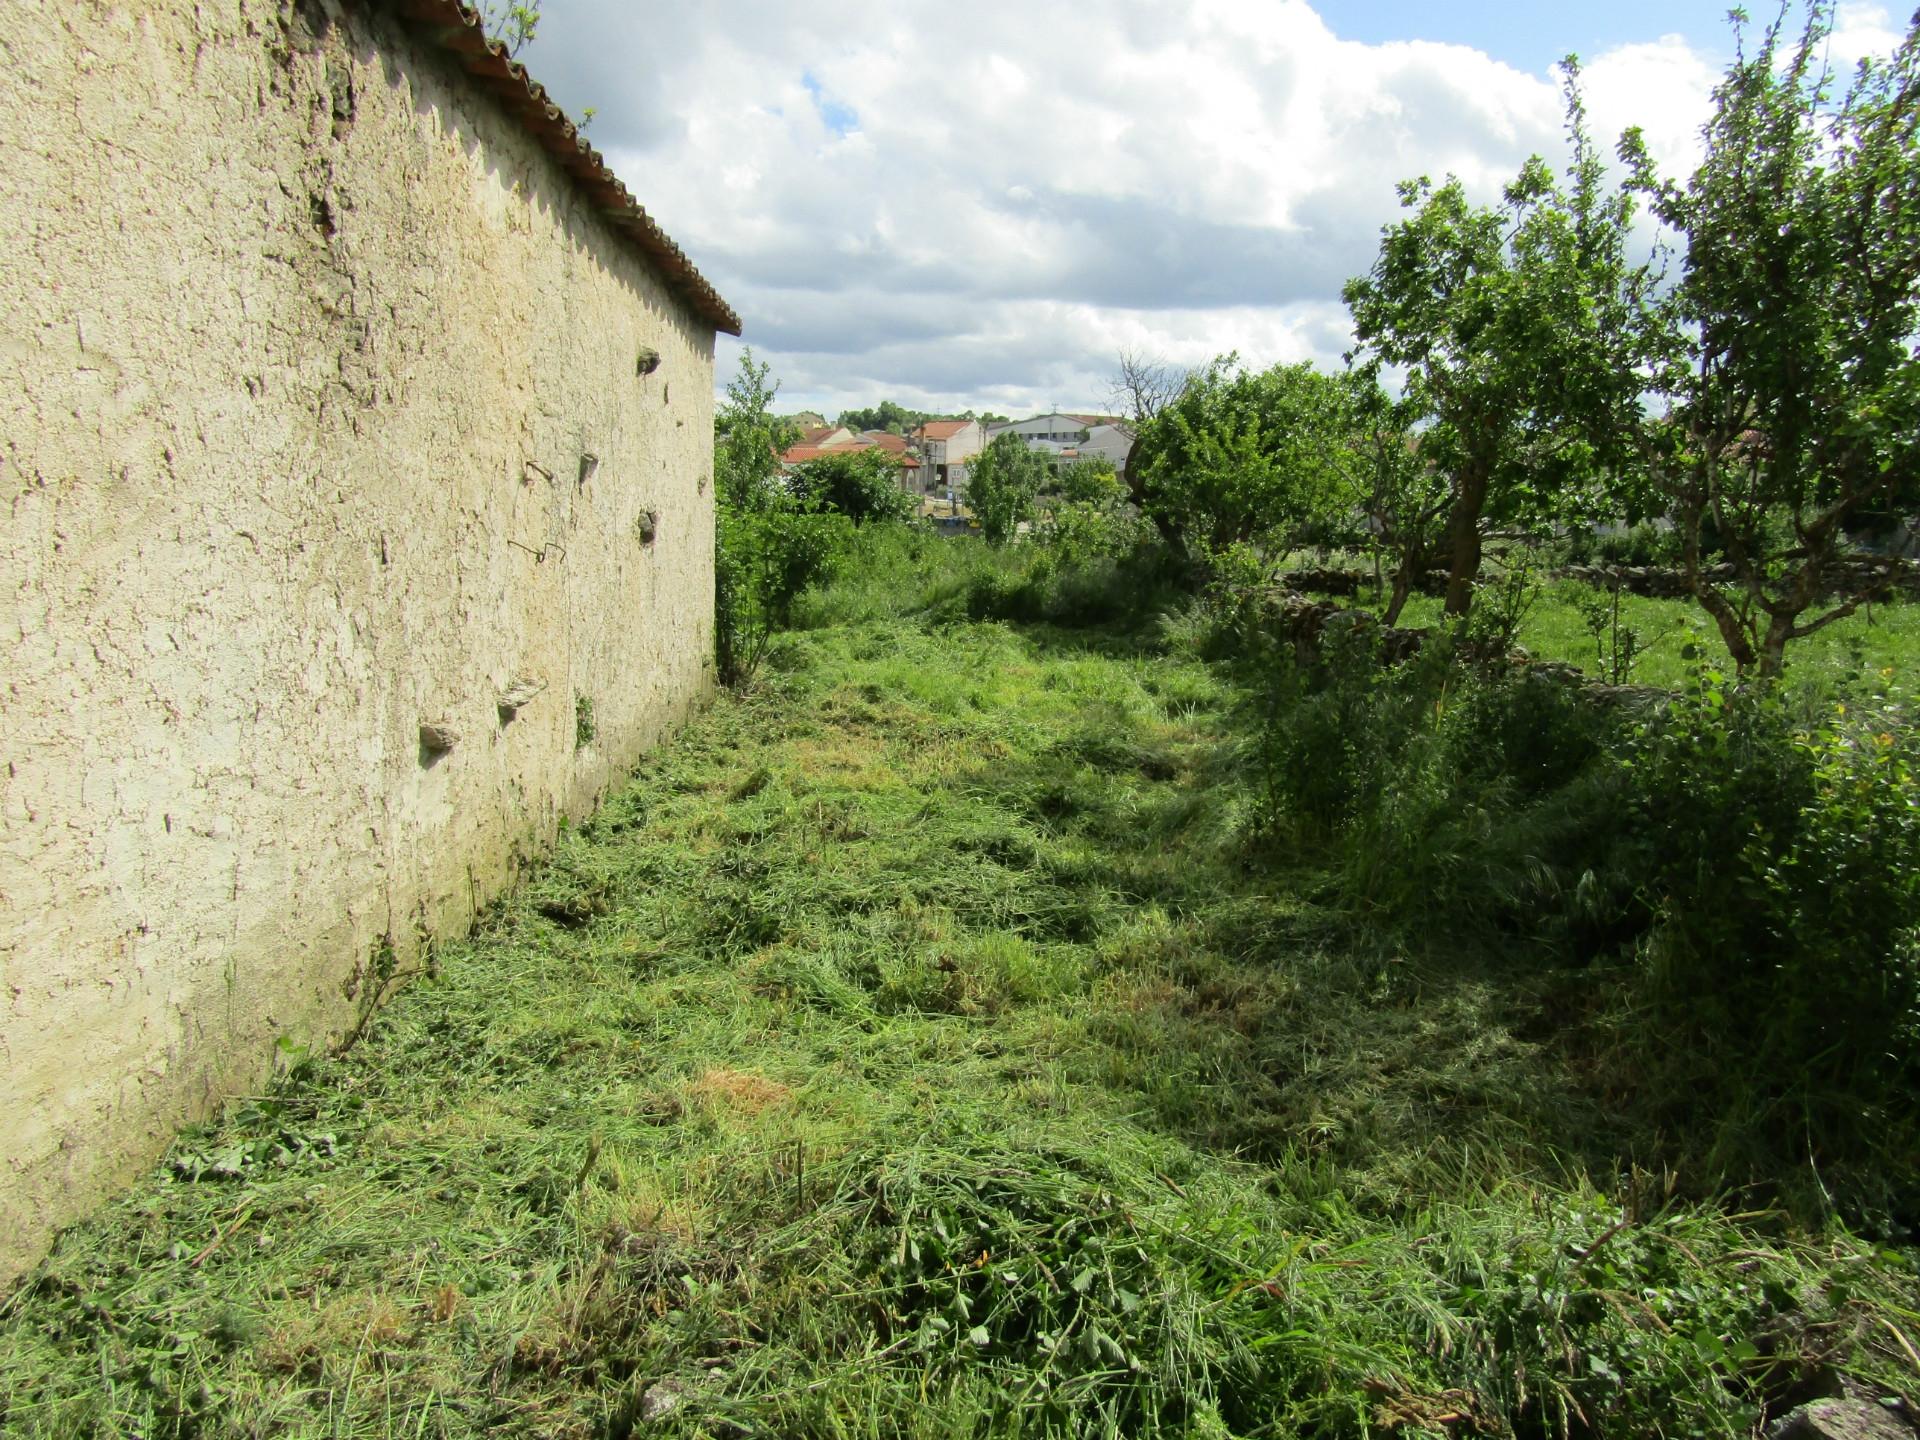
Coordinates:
(302,342)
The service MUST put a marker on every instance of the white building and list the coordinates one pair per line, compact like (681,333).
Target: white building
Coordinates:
(945,448)
(1112,443)
(1064,437)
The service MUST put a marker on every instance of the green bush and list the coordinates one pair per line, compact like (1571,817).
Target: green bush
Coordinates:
(1643,543)
(1750,881)
(1086,567)
(763,561)
(1433,789)
(1784,860)
(863,485)
(1241,456)
(1091,481)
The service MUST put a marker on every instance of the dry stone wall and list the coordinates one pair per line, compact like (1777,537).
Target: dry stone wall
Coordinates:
(333,489)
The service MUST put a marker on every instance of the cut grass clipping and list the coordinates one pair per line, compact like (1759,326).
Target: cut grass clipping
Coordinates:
(911,1051)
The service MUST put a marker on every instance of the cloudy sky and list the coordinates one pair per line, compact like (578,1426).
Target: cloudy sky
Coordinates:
(980,205)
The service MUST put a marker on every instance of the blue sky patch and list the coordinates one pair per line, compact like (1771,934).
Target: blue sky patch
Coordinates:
(841,119)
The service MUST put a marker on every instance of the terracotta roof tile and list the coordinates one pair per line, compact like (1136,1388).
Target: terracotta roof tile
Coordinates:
(802,453)
(458,30)
(943,429)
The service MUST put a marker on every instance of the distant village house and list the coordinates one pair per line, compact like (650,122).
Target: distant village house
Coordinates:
(945,448)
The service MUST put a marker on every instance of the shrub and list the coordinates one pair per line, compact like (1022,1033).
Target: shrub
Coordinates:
(1433,789)
(763,561)
(1247,457)
(863,485)
(1784,858)
(1092,481)
(1752,877)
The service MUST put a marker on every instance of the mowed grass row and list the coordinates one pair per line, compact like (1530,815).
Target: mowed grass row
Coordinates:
(912,1049)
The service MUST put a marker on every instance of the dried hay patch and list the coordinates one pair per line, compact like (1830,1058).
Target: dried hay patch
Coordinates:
(739,1090)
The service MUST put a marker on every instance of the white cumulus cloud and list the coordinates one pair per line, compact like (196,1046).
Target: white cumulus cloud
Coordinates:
(980,205)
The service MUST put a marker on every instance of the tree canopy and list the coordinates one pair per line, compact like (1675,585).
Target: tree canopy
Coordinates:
(1244,456)
(1002,484)
(1787,356)
(1515,325)
(863,485)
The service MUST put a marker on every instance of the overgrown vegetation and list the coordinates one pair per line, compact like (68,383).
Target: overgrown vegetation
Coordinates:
(1739,874)
(772,539)
(512,23)
(978,1030)
(1757,391)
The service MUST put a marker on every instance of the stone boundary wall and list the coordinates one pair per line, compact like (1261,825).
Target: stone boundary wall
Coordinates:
(1305,625)
(1884,577)
(358,529)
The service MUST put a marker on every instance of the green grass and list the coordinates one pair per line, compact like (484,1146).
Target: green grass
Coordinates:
(1875,638)
(911,1049)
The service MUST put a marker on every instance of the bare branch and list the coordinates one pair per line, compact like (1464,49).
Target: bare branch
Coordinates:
(1144,385)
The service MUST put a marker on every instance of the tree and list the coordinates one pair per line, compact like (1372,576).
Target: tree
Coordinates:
(893,418)
(1517,325)
(1245,457)
(769,545)
(749,438)
(1002,485)
(1404,498)
(863,485)
(1140,389)
(1144,385)
(1789,367)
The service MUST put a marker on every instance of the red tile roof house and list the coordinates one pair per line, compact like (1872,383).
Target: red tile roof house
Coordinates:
(945,448)
(828,435)
(832,440)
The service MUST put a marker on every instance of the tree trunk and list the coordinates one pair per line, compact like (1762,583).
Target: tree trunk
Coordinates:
(1463,538)
(1402,587)
(1732,631)
(1773,646)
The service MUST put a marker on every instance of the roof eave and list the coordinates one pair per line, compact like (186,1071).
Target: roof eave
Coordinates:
(459,31)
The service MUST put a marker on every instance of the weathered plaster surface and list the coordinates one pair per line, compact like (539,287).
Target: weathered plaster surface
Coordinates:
(302,342)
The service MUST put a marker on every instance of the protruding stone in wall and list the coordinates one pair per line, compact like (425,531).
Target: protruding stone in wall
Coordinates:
(438,736)
(517,695)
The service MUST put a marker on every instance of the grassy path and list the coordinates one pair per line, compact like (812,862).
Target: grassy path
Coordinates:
(910,1050)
